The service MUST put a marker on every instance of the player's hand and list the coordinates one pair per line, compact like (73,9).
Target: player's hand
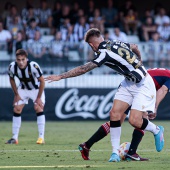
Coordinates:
(52,78)
(39,102)
(152,115)
(17,98)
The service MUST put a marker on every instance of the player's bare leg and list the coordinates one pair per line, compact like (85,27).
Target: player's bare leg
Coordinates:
(136,119)
(40,123)
(16,124)
(116,113)
(102,132)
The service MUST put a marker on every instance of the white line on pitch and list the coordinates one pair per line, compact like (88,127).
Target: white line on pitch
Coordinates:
(55,166)
(29,150)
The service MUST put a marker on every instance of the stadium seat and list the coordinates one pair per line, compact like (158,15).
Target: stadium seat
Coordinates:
(133,39)
(45,31)
(47,38)
(4,56)
(73,56)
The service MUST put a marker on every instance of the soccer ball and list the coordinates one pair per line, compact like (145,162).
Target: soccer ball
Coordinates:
(123,150)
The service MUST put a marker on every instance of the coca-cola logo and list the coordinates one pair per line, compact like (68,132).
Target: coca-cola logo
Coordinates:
(71,104)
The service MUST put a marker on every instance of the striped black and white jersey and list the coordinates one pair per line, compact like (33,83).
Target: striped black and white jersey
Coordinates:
(118,56)
(28,77)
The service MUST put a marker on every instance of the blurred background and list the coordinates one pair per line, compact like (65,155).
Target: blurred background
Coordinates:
(52,32)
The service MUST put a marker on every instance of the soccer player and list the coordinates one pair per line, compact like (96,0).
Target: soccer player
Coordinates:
(161,78)
(31,87)
(136,90)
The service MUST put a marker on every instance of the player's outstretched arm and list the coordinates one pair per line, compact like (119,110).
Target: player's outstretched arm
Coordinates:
(160,94)
(77,71)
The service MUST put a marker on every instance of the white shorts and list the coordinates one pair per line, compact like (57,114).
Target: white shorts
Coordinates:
(140,96)
(29,94)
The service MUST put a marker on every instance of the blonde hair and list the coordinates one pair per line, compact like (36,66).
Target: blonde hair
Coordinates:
(93,32)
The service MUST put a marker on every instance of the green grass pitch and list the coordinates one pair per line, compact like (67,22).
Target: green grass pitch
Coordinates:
(61,148)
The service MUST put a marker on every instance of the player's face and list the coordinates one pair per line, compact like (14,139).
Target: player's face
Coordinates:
(21,61)
(93,47)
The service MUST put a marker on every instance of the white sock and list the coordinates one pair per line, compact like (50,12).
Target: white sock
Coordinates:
(152,128)
(16,124)
(41,125)
(115,134)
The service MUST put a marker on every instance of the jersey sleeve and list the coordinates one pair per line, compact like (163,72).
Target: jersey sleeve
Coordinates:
(126,43)
(11,71)
(100,59)
(167,84)
(37,70)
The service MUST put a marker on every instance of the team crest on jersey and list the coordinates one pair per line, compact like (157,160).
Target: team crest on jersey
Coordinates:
(98,52)
(35,66)
(152,96)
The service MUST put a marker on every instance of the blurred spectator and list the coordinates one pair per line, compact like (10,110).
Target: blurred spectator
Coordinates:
(147,13)
(107,36)
(131,22)
(45,14)
(20,42)
(6,11)
(164,29)
(30,14)
(109,14)
(90,8)
(81,28)
(118,35)
(148,28)
(72,40)
(13,13)
(127,6)
(36,46)
(120,20)
(65,13)
(32,28)
(24,12)
(74,12)
(57,46)
(56,15)
(155,51)
(14,27)
(98,20)
(159,16)
(64,28)
(5,38)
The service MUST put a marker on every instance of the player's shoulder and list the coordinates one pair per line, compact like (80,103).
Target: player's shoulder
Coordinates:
(34,64)
(159,71)
(12,64)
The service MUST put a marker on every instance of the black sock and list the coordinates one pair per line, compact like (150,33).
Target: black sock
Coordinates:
(98,135)
(136,138)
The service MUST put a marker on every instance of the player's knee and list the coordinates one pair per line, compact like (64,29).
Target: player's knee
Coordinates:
(135,121)
(17,109)
(114,115)
(37,108)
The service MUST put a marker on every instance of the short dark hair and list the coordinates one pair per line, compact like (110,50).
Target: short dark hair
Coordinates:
(93,32)
(21,52)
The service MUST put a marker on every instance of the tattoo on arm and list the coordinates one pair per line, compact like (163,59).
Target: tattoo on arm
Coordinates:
(79,70)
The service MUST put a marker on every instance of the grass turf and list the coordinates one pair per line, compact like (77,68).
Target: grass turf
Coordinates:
(62,140)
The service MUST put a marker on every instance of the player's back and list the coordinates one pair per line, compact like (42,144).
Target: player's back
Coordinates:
(161,76)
